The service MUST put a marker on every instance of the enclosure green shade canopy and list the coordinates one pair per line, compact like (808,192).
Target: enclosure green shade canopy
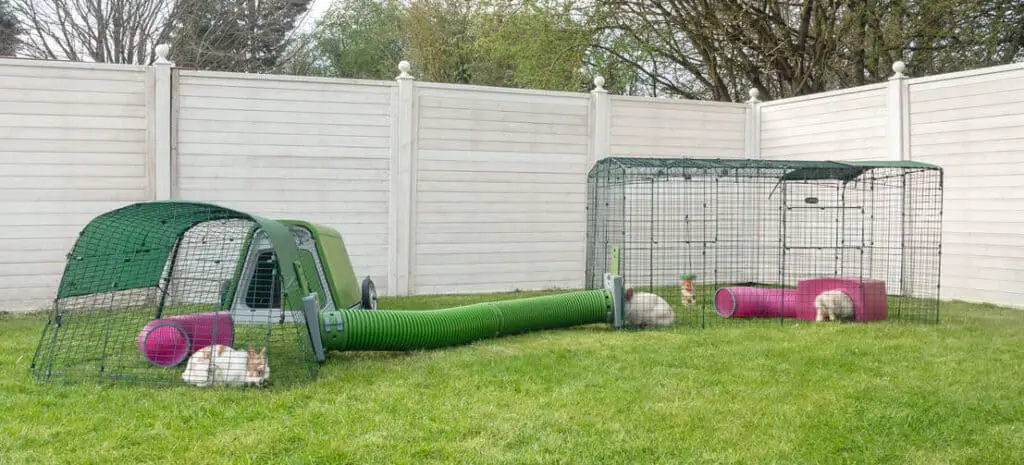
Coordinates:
(785,170)
(129,248)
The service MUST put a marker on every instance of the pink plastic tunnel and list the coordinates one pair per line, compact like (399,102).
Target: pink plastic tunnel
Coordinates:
(743,302)
(169,341)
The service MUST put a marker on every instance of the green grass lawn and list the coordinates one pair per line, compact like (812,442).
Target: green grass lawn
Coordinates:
(744,394)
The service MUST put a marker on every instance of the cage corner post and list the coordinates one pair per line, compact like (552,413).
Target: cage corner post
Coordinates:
(938,246)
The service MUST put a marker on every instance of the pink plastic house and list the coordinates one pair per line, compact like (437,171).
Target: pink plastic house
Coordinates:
(868,295)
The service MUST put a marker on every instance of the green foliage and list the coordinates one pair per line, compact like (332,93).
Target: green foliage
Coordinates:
(798,394)
(687,48)
(530,45)
(499,43)
(613,55)
(441,39)
(360,39)
(695,49)
(10,29)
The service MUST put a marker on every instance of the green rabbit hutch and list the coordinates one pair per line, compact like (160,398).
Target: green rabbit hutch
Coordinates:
(148,287)
(205,273)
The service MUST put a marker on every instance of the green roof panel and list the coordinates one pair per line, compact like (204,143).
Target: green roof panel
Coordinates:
(128,248)
(787,170)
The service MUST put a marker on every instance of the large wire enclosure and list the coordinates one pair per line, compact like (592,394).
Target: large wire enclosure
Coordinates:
(178,293)
(760,240)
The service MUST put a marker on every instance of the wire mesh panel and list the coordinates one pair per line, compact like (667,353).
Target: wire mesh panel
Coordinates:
(757,240)
(147,295)
(921,243)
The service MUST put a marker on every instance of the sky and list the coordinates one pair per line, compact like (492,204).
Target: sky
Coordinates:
(316,11)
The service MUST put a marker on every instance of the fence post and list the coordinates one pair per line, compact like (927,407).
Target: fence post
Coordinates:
(753,126)
(601,131)
(402,217)
(898,111)
(897,134)
(160,131)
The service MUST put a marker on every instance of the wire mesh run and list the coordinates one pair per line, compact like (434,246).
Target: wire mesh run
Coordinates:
(148,295)
(757,240)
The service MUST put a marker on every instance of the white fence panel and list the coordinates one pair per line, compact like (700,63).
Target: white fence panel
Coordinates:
(74,144)
(843,125)
(650,127)
(647,127)
(498,175)
(291,148)
(500,189)
(972,124)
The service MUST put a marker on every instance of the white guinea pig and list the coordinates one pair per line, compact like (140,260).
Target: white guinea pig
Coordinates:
(646,309)
(834,305)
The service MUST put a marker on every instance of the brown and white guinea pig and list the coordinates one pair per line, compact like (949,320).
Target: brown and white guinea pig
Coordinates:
(646,309)
(222,365)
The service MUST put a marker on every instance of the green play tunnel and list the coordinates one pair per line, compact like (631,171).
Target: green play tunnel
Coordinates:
(396,330)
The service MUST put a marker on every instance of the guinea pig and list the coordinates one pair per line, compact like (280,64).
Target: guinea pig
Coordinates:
(646,309)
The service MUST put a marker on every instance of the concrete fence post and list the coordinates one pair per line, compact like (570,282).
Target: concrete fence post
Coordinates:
(752,142)
(402,217)
(159,115)
(601,130)
(898,114)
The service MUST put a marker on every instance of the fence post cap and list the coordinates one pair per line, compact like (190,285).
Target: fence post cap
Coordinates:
(162,51)
(898,67)
(404,67)
(754,93)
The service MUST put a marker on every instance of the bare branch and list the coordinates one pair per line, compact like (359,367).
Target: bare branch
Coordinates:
(109,31)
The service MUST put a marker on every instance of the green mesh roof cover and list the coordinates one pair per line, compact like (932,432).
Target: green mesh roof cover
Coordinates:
(133,243)
(790,169)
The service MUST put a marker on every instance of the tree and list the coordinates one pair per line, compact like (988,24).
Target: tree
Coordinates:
(440,39)
(524,43)
(10,30)
(111,31)
(531,44)
(941,36)
(716,49)
(615,55)
(230,35)
(233,35)
(358,39)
